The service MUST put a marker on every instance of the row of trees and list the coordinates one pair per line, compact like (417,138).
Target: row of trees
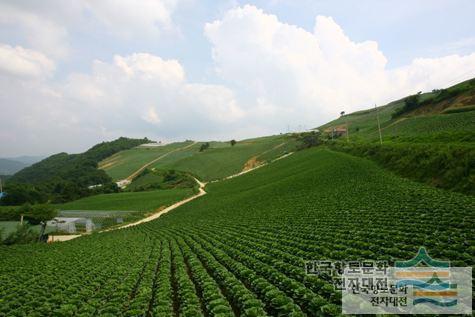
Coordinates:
(206,145)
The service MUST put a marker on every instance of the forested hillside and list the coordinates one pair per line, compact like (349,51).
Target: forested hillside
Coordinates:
(63,177)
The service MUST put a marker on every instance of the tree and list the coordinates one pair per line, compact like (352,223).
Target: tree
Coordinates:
(342,113)
(204,146)
(233,142)
(39,214)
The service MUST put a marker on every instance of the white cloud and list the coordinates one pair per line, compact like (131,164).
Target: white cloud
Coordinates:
(286,74)
(39,31)
(272,74)
(137,95)
(150,67)
(129,18)
(47,25)
(151,116)
(18,61)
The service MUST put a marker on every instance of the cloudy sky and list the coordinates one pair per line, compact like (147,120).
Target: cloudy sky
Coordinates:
(74,73)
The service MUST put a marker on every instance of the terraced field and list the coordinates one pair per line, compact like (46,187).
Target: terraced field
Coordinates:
(240,250)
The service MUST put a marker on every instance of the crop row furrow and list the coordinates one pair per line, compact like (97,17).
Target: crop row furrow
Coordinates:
(277,303)
(188,303)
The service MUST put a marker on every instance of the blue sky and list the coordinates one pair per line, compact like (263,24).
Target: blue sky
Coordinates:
(74,74)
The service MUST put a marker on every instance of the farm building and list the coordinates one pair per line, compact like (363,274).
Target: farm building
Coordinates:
(335,131)
(71,225)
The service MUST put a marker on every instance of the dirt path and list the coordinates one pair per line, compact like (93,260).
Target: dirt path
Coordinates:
(165,210)
(201,192)
(126,181)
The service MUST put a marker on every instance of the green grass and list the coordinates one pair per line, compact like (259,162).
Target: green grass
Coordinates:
(222,159)
(217,162)
(8,227)
(133,201)
(451,126)
(430,126)
(245,243)
(362,123)
(124,163)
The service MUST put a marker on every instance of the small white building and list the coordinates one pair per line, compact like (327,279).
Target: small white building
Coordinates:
(154,144)
(68,225)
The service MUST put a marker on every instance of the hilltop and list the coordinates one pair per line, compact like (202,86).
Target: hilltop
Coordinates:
(444,115)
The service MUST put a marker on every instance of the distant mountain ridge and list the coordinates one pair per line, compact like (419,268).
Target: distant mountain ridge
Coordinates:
(10,167)
(27,159)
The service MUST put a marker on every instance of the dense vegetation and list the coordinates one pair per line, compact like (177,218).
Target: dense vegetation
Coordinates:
(64,177)
(152,179)
(240,250)
(428,137)
(440,96)
(446,166)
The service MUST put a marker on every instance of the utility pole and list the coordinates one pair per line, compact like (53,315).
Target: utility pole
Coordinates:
(379,126)
(346,124)
(347,131)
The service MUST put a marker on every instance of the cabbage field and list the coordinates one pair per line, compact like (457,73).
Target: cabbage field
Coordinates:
(240,250)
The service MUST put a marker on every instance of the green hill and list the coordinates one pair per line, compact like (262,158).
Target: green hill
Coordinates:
(241,249)
(124,163)
(221,159)
(445,115)
(429,137)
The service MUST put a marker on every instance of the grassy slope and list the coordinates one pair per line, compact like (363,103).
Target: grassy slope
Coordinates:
(421,125)
(315,204)
(124,163)
(428,144)
(136,201)
(222,159)
(217,162)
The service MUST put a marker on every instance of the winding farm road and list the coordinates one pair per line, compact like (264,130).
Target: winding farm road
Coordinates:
(167,209)
(201,192)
